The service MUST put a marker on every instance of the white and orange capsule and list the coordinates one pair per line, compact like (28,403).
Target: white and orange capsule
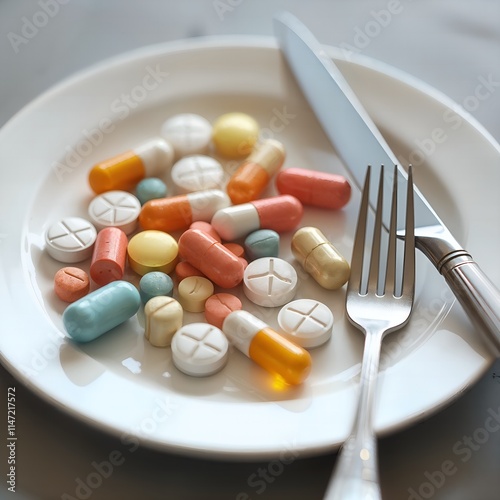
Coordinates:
(124,171)
(279,213)
(179,212)
(254,174)
(266,347)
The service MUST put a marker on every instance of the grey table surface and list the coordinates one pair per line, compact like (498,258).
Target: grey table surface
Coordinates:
(450,44)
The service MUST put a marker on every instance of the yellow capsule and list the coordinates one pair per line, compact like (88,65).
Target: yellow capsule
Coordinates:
(234,135)
(320,258)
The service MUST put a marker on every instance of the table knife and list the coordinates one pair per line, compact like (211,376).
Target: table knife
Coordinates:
(359,143)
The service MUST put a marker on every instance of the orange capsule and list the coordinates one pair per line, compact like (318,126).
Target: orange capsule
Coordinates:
(215,261)
(311,187)
(254,174)
(179,212)
(109,257)
(206,227)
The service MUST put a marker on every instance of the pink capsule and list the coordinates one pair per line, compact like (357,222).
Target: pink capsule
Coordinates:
(109,257)
(210,257)
(280,213)
(311,187)
(206,227)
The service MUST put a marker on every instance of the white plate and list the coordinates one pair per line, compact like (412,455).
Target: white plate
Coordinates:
(119,382)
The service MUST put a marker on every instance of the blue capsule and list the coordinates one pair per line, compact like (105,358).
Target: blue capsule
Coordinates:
(100,311)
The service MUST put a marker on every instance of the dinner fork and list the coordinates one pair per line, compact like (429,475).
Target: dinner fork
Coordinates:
(379,300)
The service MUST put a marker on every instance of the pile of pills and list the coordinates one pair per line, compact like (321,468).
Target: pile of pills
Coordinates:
(194,247)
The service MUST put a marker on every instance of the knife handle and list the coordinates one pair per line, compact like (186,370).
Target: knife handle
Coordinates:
(476,293)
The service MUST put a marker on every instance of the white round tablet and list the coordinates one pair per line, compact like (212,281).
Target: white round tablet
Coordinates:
(197,173)
(70,240)
(270,282)
(306,322)
(115,209)
(188,133)
(199,349)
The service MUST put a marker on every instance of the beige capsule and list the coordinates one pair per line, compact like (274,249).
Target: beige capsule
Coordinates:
(320,258)
(163,318)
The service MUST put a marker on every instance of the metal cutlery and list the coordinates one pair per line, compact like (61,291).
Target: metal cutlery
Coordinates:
(379,300)
(359,143)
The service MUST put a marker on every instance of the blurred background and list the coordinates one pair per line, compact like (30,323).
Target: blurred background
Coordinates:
(453,45)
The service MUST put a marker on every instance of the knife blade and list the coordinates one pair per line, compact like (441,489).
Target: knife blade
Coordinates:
(359,143)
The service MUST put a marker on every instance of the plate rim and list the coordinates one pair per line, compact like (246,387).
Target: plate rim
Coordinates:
(241,41)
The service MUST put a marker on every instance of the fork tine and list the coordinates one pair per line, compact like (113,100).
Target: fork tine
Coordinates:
(373,275)
(409,255)
(390,285)
(359,239)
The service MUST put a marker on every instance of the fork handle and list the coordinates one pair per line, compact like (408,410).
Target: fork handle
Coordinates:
(356,475)
(477,294)
(356,478)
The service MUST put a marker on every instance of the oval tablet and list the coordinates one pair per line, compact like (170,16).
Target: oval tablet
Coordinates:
(70,240)
(306,322)
(199,349)
(101,310)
